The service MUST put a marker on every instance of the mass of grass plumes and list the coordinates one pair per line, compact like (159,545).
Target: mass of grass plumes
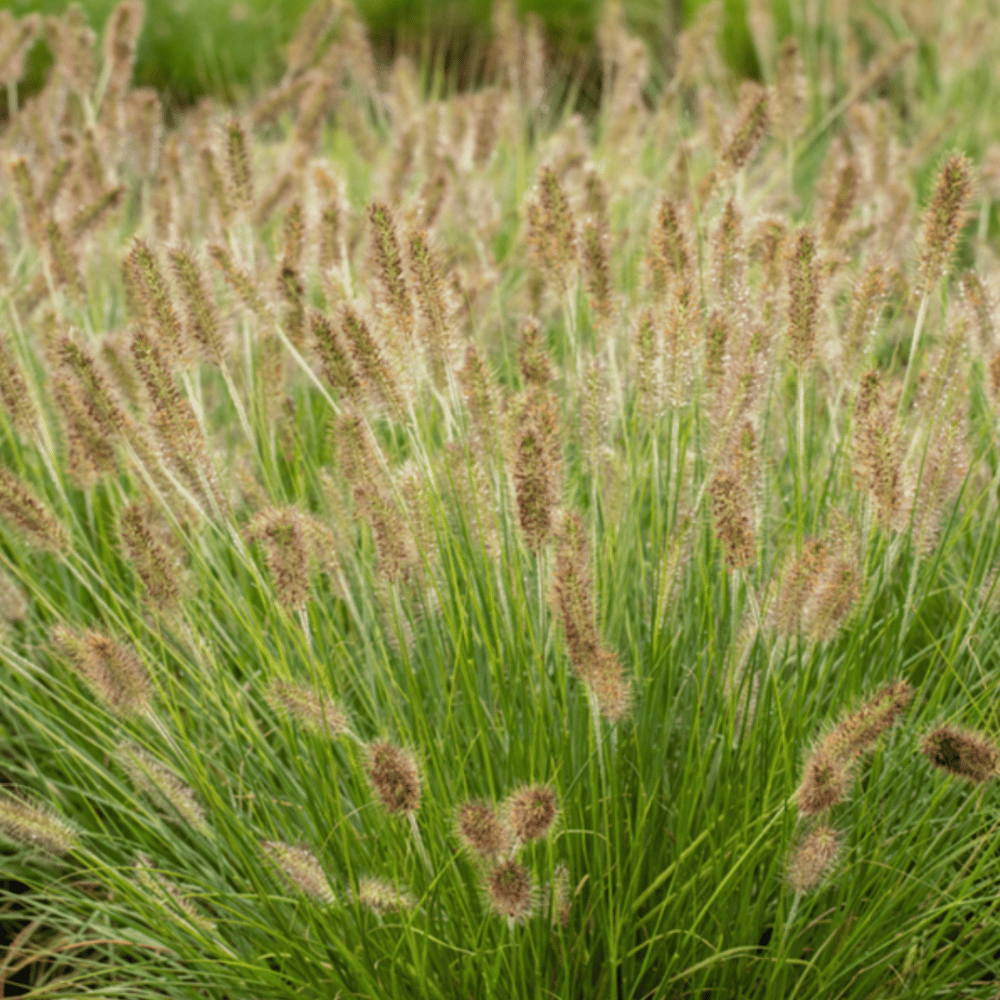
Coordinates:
(451,548)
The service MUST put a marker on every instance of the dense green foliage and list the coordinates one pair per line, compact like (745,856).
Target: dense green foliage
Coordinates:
(450,547)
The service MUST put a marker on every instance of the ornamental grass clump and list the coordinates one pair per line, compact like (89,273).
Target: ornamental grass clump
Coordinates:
(621,439)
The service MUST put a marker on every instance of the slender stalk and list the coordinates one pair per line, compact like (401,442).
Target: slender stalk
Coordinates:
(921,316)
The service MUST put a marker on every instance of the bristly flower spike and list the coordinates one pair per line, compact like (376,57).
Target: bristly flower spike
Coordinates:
(394,777)
(301,869)
(803,302)
(531,812)
(963,754)
(810,862)
(944,218)
(511,892)
(30,824)
(480,830)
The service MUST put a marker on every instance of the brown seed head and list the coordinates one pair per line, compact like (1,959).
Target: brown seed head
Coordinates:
(751,127)
(944,218)
(825,782)
(334,355)
(91,455)
(111,671)
(728,256)
(611,687)
(979,305)
(431,302)
(573,597)
(510,891)
(532,357)
(16,38)
(859,731)
(531,812)
(877,463)
(157,303)
(537,468)
(732,510)
(239,281)
(203,320)
(480,830)
(800,580)
(301,869)
(394,777)
(597,277)
(803,302)
(389,267)
(90,215)
(552,230)
(370,360)
(865,308)
(149,559)
(477,389)
(832,600)
(812,859)
(20,508)
(65,269)
(291,542)
(842,201)
(964,754)
(238,161)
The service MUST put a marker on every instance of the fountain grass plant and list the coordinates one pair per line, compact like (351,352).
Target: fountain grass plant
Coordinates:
(451,548)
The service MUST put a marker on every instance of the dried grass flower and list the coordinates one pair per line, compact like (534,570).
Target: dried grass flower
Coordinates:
(393,776)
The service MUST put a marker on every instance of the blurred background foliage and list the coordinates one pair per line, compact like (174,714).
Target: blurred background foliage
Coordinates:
(229,50)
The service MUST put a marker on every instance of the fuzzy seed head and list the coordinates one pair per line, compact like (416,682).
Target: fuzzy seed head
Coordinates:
(292,543)
(156,299)
(751,127)
(394,777)
(533,360)
(573,597)
(842,201)
(810,862)
(334,355)
(611,687)
(112,671)
(531,812)
(963,754)
(23,510)
(150,560)
(803,302)
(381,897)
(91,455)
(825,782)
(202,318)
(865,308)
(877,463)
(860,730)
(35,826)
(597,277)
(159,782)
(537,464)
(733,521)
(944,218)
(301,869)
(480,830)
(510,891)
(389,267)
(308,707)
(238,161)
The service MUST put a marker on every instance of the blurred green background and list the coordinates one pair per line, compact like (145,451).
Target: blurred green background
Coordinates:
(231,49)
